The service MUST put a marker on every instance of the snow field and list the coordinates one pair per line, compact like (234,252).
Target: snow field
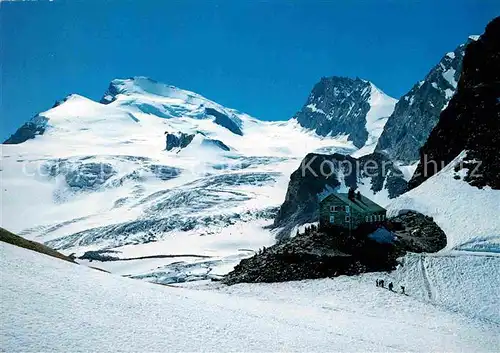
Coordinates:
(50,305)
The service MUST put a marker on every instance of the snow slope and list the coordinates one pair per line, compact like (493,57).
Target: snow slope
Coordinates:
(381,107)
(469,216)
(460,281)
(50,305)
(465,275)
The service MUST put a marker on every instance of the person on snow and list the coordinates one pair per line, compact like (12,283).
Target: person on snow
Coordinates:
(377,283)
(381,283)
(390,286)
(403,290)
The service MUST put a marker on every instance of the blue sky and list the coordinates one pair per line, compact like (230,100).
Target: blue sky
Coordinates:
(259,57)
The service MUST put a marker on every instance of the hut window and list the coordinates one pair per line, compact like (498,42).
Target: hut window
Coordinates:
(347,209)
(347,219)
(332,219)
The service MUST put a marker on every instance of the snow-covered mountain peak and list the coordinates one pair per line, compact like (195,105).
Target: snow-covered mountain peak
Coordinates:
(144,86)
(144,95)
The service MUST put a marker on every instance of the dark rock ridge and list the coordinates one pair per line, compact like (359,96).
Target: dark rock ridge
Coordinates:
(28,131)
(471,121)
(34,127)
(224,121)
(417,112)
(337,105)
(14,239)
(417,233)
(334,252)
(182,140)
(319,173)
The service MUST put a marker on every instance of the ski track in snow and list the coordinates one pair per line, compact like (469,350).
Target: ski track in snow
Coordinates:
(465,275)
(427,283)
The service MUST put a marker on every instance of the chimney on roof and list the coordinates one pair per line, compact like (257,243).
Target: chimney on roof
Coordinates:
(350,194)
(358,196)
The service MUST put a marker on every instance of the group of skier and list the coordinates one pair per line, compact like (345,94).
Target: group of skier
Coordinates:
(380,283)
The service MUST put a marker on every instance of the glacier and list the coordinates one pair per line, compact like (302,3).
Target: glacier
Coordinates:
(102,176)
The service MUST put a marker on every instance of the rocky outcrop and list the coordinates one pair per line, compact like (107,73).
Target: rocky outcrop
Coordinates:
(110,94)
(417,112)
(336,251)
(417,233)
(181,140)
(177,140)
(471,122)
(11,238)
(316,254)
(337,106)
(320,173)
(224,121)
(382,173)
(28,131)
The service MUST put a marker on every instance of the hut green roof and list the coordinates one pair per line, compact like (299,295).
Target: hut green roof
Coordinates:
(365,205)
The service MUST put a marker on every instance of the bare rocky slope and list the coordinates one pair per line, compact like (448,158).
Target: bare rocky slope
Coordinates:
(16,240)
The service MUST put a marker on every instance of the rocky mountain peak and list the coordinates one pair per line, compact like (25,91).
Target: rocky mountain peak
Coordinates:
(339,106)
(471,121)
